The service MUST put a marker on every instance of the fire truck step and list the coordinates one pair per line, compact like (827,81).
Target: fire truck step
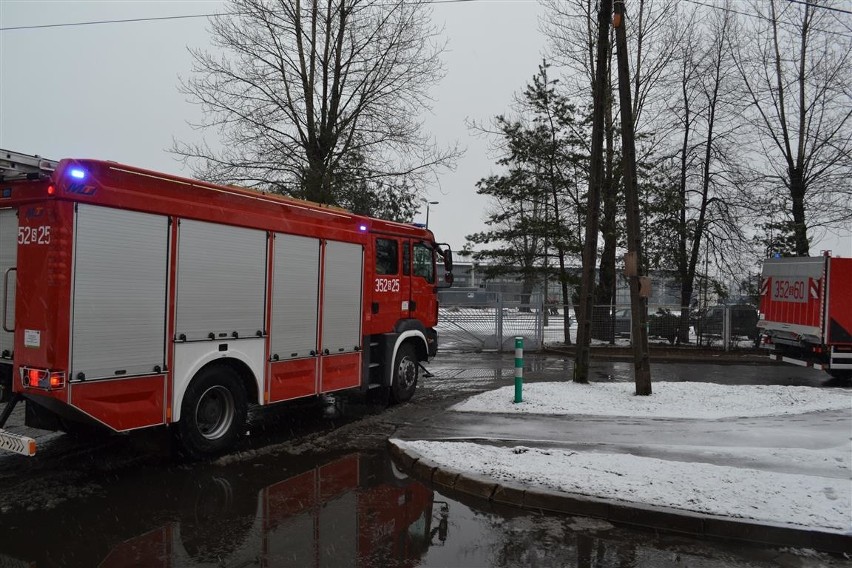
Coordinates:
(17,443)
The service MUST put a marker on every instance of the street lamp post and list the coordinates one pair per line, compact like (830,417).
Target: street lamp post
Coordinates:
(428,203)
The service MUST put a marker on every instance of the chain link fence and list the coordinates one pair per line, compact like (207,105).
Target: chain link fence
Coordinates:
(482,320)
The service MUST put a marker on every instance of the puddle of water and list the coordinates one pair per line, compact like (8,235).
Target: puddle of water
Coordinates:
(335,510)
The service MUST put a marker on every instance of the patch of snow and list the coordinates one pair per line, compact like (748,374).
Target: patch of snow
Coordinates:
(810,487)
(704,488)
(669,400)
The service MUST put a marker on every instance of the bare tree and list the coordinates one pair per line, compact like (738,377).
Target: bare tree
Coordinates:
(311,94)
(795,60)
(695,209)
(571,26)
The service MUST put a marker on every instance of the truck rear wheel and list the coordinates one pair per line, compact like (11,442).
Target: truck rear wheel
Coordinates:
(213,413)
(841,375)
(406,371)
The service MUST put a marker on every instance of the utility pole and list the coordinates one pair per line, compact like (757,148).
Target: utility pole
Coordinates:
(596,179)
(638,296)
(545,307)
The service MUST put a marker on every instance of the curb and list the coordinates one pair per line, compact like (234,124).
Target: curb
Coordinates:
(672,354)
(645,516)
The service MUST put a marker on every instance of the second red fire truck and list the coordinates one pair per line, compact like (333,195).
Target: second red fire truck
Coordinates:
(806,312)
(137,299)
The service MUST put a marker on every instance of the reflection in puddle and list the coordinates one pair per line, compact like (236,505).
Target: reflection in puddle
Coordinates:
(336,514)
(357,510)
(350,511)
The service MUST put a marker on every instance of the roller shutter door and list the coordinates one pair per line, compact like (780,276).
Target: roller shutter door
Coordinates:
(221,281)
(119,297)
(8,255)
(343,270)
(295,293)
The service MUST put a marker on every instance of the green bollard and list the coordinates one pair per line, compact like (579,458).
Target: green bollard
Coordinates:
(519,369)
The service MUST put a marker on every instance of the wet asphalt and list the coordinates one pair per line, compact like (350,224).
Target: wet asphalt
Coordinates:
(314,486)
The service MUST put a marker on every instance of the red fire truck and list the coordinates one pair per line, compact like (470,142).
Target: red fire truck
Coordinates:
(806,312)
(13,165)
(144,299)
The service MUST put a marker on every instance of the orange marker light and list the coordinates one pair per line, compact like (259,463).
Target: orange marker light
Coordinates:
(51,190)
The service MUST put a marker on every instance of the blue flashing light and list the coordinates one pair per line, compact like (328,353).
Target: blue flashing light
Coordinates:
(362,228)
(77,173)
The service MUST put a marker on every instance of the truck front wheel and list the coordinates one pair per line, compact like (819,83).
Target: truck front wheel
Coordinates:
(213,413)
(406,370)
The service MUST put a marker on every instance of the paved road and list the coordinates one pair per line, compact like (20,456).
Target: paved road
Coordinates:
(674,439)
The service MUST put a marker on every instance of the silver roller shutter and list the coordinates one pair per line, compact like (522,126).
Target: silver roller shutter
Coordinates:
(221,280)
(295,292)
(341,310)
(119,304)
(8,255)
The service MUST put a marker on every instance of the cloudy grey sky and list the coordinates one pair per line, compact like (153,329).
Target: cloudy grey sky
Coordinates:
(109,91)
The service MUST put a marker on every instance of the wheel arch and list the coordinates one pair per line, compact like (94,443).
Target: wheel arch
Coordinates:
(416,338)
(235,360)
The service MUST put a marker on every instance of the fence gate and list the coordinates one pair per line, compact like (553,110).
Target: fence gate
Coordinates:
(480,320)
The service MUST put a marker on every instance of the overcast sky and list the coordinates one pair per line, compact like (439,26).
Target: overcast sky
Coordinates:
(109,91)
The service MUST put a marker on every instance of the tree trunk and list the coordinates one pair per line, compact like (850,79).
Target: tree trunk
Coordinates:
(603,324)
(638,304)
(800,228)
(590,245)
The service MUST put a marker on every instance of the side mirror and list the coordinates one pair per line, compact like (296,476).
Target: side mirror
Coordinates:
(447,254)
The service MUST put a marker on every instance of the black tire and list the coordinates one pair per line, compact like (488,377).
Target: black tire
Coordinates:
(841,374)
(406,372)
(213,413)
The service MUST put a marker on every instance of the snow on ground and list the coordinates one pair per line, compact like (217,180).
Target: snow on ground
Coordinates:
(704,488)
(670,400)
(740,492)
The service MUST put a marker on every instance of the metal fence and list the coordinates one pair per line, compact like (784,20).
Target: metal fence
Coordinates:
(724,327)
(478,320)
(471,320)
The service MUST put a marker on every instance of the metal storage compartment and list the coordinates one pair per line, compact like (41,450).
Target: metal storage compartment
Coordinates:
(343,276)
(8,255)
(295,294)
(119,292)
(221,281)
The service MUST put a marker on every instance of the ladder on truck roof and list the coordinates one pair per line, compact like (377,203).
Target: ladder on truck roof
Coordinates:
(15,165)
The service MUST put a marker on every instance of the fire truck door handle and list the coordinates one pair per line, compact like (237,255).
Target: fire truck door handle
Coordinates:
(375,307)
(6,298)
